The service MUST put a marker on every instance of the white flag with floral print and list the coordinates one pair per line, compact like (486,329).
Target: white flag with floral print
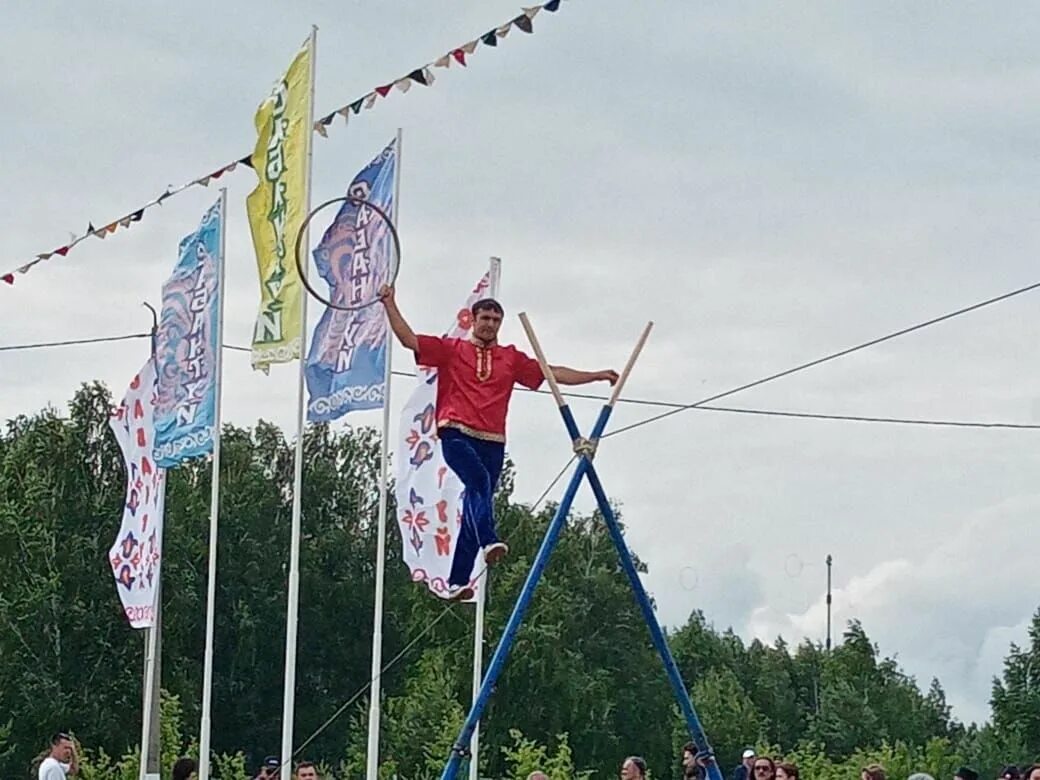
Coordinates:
(429,494)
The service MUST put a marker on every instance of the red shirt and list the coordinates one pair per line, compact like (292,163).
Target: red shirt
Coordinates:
(474,384)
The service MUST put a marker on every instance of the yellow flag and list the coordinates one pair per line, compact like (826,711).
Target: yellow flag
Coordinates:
(277,209)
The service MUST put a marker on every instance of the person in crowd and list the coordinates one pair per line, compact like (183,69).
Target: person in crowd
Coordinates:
(693,767)
(872,772)
(786,771)
(269,769)
(1009,772)
(966,773)
(185,769)
(62,759)
(306,770)
(633,768)
(763,768)
(744,768)
(1032,772)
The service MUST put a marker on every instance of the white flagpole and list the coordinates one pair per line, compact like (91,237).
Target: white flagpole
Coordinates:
(150,649)
(372,766)
(293,610)
(214,506)
(478,627)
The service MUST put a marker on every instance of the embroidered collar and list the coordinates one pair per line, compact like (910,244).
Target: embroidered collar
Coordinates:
(484,359)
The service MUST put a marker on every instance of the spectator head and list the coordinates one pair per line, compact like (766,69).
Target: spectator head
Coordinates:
(306,770)
(920,776)
(966,773)
(184,769)
(538,775)
(747,758)
(270,767)
(633,768)
(786,772)
(1031,772)
(61,747)
(872,772)
(1009,773)
(763,768)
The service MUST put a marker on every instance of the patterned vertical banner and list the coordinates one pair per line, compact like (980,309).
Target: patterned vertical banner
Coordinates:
(186,347)
(346,364)
(277,209)
(136,555)
(428,493)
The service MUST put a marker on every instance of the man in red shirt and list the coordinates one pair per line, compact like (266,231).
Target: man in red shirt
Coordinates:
(474,384)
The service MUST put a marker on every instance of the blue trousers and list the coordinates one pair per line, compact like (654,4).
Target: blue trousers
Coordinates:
(478,464)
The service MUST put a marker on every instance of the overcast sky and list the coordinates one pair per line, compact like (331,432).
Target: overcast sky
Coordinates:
(768,184)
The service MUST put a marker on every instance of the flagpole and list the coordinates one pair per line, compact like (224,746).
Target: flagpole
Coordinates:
(153,648)
(292,611)
(494,277)
(151,643)
(214,506)
(374,714)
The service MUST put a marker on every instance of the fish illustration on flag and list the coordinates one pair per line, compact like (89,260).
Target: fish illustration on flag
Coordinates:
(346,364)
(186,347)
(136,554)
(428,492)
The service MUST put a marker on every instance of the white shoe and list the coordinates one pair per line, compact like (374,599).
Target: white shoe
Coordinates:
(460,592)
(493,553)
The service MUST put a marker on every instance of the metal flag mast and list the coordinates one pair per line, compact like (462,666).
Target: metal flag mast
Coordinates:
(585,449)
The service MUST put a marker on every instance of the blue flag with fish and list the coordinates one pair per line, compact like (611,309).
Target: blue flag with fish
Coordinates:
(346,364)
(186,347)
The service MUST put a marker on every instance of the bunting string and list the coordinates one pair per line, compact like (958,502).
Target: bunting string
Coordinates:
(422,75)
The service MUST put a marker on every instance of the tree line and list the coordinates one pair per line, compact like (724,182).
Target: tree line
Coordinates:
(582,689)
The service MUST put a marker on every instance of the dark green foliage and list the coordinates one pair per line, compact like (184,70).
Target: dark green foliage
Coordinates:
(583,679)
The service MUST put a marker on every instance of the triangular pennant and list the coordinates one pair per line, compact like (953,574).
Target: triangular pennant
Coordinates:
(217,174)
(470,47)
(63,251)
(356,105)
(25,268)
(346,117)
(319,128)
(90,228)
(524,23)
(247,160)
(344,112)
(552,5)
(532,12)
(112,228)
(44,256)
(384,90)
(442,62)
(489,39)
(418,75)
(460,56)
(370,100)
(231,167)
(137,216)
(125,222)
(503,31)
(403,84)
(9,278)
(101,233)
(429,76)
(164,196)
(204,181)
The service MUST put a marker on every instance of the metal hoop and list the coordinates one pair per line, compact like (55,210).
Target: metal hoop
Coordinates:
(395,261)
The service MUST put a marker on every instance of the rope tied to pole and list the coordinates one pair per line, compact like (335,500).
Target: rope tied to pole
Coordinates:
(585,448)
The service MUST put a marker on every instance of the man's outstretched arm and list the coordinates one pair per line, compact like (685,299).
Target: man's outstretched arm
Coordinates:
(398,324)
(572,376)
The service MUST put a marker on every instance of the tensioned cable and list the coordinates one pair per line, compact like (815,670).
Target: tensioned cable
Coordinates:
(827,358)
(675,407)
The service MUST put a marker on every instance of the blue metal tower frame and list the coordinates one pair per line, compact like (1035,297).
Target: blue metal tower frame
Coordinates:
(585,448)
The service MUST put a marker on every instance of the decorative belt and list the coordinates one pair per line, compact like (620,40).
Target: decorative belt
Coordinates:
(484,435)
